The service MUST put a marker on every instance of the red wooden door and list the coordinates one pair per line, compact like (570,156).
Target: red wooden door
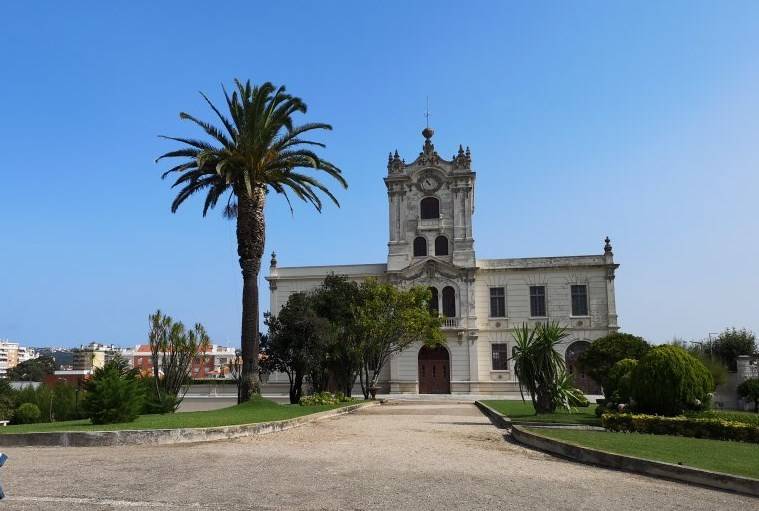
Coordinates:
(434,371)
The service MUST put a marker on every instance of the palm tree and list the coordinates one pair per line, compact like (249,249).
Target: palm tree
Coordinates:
(539,367)
(257,149)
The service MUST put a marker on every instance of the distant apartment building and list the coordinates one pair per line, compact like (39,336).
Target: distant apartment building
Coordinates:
(213,363)
(93,355)
(11,354)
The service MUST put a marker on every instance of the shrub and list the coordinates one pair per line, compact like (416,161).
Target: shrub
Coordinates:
(156,400)
(749,390)
(6,408)
(113,394)
(65,403)
(748,418)
(619,387)
(668,380)
(712,428)
(27,413)
(41,396)
(324,398)
(606,351)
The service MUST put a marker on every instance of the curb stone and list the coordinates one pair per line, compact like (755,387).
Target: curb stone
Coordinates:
(165,436)
(658,469)
(503,422)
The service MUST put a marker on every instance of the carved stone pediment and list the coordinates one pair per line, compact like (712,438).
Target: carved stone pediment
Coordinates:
(430,267)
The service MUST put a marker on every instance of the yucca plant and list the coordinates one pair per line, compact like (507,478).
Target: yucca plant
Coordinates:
(538,365)
(257,149)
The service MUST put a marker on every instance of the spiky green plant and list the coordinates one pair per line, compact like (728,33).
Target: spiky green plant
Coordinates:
(257,149)
(538,365)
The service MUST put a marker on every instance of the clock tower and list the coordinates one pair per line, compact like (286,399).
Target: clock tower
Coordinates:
(431,202)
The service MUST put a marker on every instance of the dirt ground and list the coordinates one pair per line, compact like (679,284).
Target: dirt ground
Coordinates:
(407,455)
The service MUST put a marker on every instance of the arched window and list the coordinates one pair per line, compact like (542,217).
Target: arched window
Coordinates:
(420,247)
(434,304)
(449,302)
(441,245)
(430,208)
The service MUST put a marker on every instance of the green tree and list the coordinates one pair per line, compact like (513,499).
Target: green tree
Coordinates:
(258,149)
(749,390)
(389,320)
(540,367)
(731,343)
(114,394)
(295,343)
(32,370)
(173,348)
(337,301)
(668,381)
(620,380)
(606,351)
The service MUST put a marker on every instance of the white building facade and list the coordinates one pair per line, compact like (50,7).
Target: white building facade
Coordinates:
(431,244)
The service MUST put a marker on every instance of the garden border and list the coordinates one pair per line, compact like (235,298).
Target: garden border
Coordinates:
(658,469)
(503,422)
(165,436)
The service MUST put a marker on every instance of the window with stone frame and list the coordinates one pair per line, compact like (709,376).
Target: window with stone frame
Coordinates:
(537,301)
(497,302)
(500,356)
(579,294)
(430,208)
(420,247)
(434,302)
(449,302)
(441,246)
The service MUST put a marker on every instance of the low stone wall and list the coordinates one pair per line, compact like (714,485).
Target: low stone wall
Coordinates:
(638,465)
(163,436)
(503,422)
(497,418)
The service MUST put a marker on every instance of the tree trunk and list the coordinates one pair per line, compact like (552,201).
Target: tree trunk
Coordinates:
(250,248)
(296,389)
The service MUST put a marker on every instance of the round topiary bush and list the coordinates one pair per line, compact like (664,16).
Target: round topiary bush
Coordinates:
(668,381)
(620,380)
(27,413)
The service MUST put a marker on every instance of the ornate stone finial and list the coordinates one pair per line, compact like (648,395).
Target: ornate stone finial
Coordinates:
(462,159)
(428,132)
(607,246)
(273,263)
(394,163)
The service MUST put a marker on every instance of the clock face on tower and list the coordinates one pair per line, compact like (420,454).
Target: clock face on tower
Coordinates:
(428,183)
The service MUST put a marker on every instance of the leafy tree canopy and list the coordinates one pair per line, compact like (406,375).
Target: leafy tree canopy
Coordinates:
(606,351)
(730,344)
(32,370)
(390,320)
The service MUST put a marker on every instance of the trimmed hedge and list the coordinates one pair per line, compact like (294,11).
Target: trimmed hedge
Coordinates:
(668,381)
(715,429)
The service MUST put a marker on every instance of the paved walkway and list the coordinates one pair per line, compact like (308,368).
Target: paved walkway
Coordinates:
(408,455)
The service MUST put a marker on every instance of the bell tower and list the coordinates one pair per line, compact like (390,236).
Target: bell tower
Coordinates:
(430,208)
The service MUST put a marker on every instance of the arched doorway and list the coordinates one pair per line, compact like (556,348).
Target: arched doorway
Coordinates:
(434,370)
(581,380)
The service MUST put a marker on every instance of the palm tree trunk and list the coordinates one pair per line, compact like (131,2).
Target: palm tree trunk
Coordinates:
(250,248)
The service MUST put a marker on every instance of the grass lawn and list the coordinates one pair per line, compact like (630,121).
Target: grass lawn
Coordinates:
(523,411)
(738,458)
(256,410)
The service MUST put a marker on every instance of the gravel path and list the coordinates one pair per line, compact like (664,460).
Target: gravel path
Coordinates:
(397,456)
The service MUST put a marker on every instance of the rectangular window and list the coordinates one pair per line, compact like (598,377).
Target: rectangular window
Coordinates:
(497,302)
(500,353)
(579,300)
(538,301)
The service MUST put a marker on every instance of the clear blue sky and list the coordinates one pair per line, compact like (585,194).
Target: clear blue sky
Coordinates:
(636,120)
